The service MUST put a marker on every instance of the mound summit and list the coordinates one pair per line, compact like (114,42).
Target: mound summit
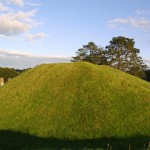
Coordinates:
(76,101)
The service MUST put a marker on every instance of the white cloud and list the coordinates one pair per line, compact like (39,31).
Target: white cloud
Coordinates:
(142,12)
(142,23)
(3,8)
(19,3)
(147,61)
(32,37)
(34,4)
(27,60)
(16,23)
(148,42)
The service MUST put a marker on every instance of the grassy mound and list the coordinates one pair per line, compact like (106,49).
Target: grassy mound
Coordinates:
(76,101)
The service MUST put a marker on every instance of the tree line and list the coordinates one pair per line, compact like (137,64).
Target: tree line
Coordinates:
(9,73)
(120,54)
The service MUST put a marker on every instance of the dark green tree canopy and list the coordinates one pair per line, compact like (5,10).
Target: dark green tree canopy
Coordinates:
(8,73)
(91,53)
(120,54)
(147,78)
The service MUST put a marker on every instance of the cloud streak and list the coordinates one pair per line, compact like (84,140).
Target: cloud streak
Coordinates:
(32,37)
(142,22)
(142,12)
(3,8)
(19,3)
(21,60)
(147,61)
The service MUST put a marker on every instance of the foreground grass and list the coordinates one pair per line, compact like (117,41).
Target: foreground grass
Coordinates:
(76,101)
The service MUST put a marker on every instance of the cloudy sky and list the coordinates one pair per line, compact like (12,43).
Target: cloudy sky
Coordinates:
(42,31)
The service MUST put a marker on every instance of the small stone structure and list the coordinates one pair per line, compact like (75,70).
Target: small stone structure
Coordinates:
(1,81)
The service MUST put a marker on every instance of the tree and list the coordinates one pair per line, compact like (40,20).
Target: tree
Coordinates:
(147,78)
(122,55)
(91,53)
(8,73)
(21,70)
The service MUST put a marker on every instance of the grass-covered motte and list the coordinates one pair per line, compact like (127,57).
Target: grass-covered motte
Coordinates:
(76,102)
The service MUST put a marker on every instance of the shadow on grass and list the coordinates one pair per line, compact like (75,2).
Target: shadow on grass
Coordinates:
(10,140)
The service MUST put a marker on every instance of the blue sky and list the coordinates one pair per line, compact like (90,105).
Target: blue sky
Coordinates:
(42,31)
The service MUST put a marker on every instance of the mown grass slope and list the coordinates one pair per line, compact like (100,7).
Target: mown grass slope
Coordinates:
(76,101)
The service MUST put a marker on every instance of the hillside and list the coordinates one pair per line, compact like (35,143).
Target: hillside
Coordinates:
(76,101)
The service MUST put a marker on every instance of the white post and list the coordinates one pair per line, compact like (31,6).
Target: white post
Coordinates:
(2,82)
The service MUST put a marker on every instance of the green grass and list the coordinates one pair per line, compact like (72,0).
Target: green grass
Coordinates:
(76,101)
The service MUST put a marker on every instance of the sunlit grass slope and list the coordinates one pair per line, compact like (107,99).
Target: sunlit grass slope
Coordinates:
(76,101)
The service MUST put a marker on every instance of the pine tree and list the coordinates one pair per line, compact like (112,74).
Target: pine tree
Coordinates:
(91,53)
(122,55)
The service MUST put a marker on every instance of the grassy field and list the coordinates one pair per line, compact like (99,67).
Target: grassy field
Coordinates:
(75,105)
